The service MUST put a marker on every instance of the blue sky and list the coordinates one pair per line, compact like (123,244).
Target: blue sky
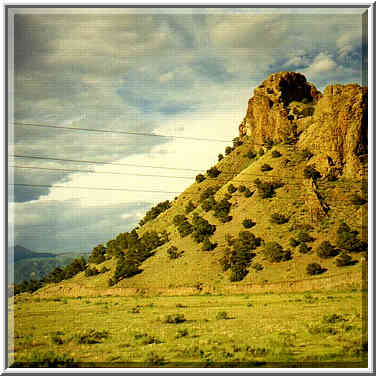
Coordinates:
(185,73)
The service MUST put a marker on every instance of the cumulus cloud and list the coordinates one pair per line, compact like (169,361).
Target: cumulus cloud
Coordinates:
(321,64)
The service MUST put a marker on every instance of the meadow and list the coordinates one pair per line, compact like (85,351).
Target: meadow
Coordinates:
(311,329)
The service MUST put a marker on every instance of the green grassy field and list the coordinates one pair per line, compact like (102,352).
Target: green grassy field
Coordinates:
(316,329)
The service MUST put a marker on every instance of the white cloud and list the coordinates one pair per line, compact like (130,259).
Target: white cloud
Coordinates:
(348,42)
(322,63)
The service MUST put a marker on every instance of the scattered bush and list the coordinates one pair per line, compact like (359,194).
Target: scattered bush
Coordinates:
(236,142)
(239,258)
(183,332)
(357,200)
(207,245)
(189,207)
(228,150)
(209,204)
(220,157)
(248,193)
(69,271)
(265,167)
(332,319)
(238,272)
(225,261)
(145,339)
(210,191)
(344,260)
(46,360)
(222,315)
(251,154)
(293,242)
(201,228)
(311,173)
(179,219)
(304,248)
(258,267)
(308,111)
(248,223)
(326,250)
(185,229)
(90,336)
(241,188)
(213,172)
(174,319)
(222,209)
(91,272)
(227,196)
(348,239)
(136,309)
(155,211)
(269,144)
(28,286)
(56,339)
(97,254)
(261,152)
(173,253)
(314,269)
(276,154)
(154,359)
(267,189)
(332,176)
(304,237)
(231,189)
(200,178)
(274,252)
(125,269)
(278,219)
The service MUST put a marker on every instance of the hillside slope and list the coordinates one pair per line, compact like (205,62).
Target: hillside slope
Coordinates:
(294,176)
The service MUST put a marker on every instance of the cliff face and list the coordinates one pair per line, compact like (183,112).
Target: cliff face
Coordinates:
(338,133)
(332,125)
(273,109)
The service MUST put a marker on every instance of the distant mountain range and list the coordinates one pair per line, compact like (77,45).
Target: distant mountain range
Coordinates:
(35,265)
(21,253)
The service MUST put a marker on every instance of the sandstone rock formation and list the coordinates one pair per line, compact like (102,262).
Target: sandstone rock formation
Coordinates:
(332,125)
(338,133)
(270,113)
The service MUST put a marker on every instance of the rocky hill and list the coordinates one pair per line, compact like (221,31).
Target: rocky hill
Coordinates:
(285,208)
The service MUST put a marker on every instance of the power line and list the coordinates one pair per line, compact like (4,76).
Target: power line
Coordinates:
(143,175)
(102,162)
(129,174)
(120,132)
(265,175)
(141,134)
(142,191)
(90,188)
(100,172)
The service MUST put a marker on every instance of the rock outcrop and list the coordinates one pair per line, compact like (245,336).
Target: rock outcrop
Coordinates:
(332,125)
(273,109)
(338,134)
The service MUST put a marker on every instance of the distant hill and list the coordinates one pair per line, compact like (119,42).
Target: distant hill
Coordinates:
(35,265)
(38,267)
(21,253)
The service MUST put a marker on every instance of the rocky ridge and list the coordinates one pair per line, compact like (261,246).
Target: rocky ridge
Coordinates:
(333,125)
